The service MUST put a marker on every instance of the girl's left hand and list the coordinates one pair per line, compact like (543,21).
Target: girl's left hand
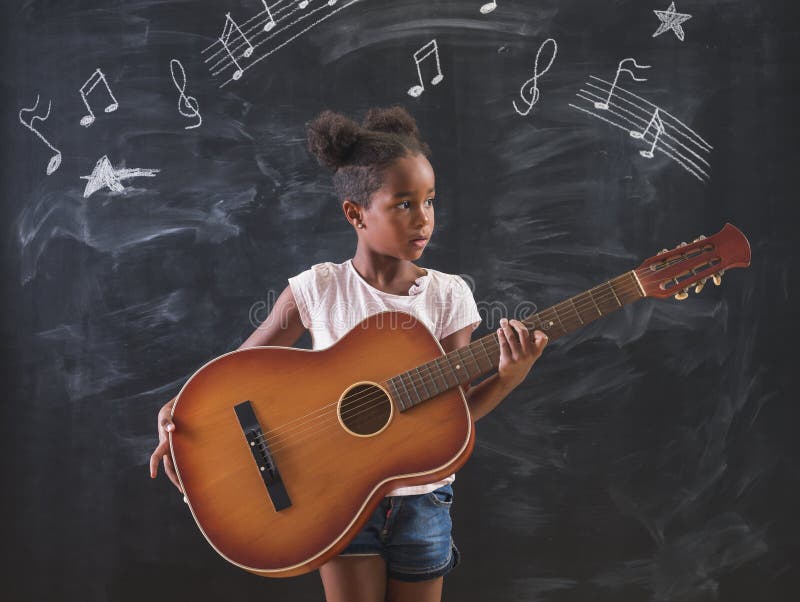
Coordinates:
(517,352)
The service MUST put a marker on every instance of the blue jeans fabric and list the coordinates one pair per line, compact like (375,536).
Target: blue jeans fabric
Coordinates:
(413,535)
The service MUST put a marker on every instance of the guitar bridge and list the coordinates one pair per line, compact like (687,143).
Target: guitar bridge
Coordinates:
(264,461)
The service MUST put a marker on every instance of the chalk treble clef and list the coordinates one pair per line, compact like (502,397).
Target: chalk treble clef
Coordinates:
(529,92)
(187,105)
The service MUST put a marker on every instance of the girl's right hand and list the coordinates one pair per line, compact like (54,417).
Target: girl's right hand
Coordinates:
(161,453)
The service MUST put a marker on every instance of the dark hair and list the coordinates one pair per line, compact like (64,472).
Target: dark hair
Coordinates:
(358,154)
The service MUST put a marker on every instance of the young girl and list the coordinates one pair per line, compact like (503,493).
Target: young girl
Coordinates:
(385,183)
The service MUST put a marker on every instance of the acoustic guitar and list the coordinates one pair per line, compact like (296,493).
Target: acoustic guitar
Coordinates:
(284,453)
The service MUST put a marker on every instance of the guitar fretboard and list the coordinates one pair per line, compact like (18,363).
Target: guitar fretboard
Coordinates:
(481,356)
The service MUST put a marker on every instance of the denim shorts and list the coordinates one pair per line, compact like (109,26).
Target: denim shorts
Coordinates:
(413,535)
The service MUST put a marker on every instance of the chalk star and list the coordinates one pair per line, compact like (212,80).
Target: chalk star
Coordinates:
(105,176)
(671,20)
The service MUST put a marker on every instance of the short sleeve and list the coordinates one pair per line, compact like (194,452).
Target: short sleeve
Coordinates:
(302,287)
(461,310)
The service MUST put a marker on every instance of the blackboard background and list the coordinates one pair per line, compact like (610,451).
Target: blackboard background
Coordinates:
(651,456)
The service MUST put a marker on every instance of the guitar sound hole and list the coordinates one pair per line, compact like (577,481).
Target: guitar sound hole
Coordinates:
(365,409)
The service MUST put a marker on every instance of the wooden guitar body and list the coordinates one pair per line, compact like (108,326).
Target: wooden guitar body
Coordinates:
(338,440)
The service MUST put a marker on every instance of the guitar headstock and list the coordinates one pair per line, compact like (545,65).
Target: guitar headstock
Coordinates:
(672,272)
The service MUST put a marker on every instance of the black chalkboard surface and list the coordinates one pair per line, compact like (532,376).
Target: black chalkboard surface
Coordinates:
(157,194)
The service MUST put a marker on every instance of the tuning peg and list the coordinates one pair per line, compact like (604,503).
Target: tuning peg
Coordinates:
(663,251)
(683,244)
(701,237)
(682,295)
(699,286)
(717,278)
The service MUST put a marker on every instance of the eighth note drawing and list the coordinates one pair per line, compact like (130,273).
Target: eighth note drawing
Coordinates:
(225,38)
(533,82)
(86,89)
(488,7)
(620,69)
(431,48)
(55,160)
(190,102)
(655,120)
(105,176)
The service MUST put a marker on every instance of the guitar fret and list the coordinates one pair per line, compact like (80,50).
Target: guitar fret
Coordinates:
(414,387)
(576,310)
(559,319)
(396,394)
(591,296)
(422,382)
(611,286)
(436,388)
(400,378)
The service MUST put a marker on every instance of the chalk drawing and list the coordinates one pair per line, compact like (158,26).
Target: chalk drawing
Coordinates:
(488,7)
(621,69)
(187,105)
(429,49)
(87,88)
(55,160)
(532,85)
(105,176)
(671,20)
(224,56)
(654,121)
(635,115)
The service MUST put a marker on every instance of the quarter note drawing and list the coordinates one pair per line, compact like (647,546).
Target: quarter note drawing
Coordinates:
(431,48)
(55,160)
(670,19)
(105,176)
(529,92)
(620,69)
(187,105)
(279,23)
(488,7)
(659,125)
(87,88)
(269,24)
(641,119)
(225,38)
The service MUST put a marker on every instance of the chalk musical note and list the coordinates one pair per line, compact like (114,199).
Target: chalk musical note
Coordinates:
(488,7)
(190,102)
(270,23)
(104,175)
(655,120)
(55,160)
(534,81)
(431,48)
(620,69)
(303,3)
(225,38)
(86,89)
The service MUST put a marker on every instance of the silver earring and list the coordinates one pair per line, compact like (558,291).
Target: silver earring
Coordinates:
(360,225)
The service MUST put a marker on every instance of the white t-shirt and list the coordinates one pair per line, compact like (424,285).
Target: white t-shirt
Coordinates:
(332,298)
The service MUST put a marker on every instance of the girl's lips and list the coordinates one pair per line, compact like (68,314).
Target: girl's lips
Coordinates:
(419,242)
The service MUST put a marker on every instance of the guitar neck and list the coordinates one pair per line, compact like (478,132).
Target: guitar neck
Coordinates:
(481,356)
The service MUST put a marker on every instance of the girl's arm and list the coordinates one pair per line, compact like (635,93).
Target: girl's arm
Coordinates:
(282,328)
(517,356)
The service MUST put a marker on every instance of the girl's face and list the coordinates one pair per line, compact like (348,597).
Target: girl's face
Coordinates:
(400,219)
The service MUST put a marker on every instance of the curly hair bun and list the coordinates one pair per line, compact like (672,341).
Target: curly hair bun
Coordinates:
(393,120)
(331,138)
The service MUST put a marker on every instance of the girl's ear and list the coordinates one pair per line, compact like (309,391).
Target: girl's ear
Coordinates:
(352,212)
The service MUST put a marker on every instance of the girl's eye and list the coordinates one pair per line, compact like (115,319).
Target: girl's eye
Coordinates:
(405,204)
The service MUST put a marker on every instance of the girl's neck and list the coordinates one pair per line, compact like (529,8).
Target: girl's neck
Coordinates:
(384,270)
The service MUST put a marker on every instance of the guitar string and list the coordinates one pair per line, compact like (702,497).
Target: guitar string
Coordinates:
(585,304)
(371,397)
(438,372)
